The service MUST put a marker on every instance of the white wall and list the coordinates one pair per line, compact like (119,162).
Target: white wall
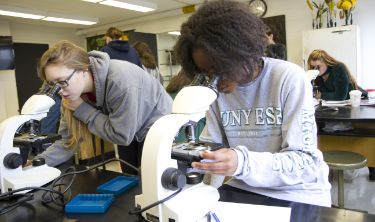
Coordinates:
(8,90)
(364,16)
(25,33)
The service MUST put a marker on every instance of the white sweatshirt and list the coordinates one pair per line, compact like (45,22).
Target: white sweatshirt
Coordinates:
(270,123)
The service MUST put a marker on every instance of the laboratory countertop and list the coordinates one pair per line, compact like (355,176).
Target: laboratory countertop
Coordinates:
(345,114)
(118,211)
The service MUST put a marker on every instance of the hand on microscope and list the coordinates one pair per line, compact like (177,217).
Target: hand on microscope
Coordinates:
(222,162)
(28,163)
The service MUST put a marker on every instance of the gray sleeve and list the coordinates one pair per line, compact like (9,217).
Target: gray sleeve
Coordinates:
(120,125)
(299,159)
(133,105)
(58,152)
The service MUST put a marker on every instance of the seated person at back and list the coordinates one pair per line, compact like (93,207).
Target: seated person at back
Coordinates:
(273,49)
(334,81)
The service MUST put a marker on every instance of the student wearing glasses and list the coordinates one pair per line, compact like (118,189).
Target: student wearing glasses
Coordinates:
(111,99)
(264,114)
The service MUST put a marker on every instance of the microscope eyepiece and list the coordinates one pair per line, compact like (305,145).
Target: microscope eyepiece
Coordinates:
(53,91)
(213,83)
(199,80)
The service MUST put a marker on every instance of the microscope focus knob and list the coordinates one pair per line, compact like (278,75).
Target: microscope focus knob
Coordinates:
(12,160)
(173,179)
(39,162)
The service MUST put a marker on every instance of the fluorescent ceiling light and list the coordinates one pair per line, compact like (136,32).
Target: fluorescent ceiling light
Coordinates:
(93,1)
(33,14)
(140,6)
(174,33)
(22,13)
(70,19)
(65,20)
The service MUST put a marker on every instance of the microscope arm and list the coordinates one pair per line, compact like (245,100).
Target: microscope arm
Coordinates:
(194,201)
(13,176)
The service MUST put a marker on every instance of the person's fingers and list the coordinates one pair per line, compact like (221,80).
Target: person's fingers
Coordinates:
(28,163)
(214,168)
(209,155)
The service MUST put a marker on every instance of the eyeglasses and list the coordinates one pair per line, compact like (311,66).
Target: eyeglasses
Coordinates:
(317,67)
(63,83)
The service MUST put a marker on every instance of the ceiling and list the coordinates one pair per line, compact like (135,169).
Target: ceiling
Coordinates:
(106,14)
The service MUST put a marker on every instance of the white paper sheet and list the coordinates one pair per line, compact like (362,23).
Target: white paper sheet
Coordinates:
(336,103)
(230,212)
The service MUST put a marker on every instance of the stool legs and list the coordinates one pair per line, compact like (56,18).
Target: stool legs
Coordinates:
(340,185)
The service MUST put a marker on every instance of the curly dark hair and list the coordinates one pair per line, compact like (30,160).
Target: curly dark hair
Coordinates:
(230,35)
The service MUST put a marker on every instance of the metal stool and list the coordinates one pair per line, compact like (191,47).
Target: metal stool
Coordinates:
(340,161)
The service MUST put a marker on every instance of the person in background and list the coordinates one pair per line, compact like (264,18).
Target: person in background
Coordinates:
(178,82)
(334,81)
(148,60)
(273,49)
(111,99)
(264,113)
(119,48)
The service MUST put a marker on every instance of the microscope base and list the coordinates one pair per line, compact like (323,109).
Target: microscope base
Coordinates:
(191,204)
(30,177)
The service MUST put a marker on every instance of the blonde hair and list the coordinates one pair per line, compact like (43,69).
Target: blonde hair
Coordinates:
(70,55)
(319,54)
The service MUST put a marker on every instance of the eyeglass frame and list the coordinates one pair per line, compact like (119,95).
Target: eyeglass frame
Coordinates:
(64,83)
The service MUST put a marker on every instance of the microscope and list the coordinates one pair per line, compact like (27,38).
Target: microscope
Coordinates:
(163,178)
(12,174)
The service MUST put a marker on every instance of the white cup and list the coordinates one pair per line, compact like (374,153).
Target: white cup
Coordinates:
(355,97)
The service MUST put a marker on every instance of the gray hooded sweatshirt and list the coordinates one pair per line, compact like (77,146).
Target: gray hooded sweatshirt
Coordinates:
(128,102)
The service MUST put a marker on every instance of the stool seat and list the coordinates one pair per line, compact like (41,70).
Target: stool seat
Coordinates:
(344,160)
(340,161)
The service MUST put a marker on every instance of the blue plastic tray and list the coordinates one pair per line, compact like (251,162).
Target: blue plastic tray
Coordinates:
(89,203)
(118,185)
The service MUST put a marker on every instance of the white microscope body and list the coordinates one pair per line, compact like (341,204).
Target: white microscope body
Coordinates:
(194,201)
(11,178)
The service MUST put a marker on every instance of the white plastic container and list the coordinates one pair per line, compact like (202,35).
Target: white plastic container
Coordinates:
(371,94)
(355,98)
